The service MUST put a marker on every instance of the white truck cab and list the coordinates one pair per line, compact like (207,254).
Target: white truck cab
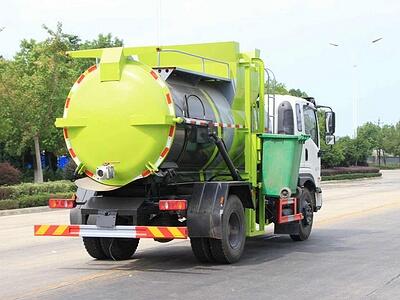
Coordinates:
(294,115)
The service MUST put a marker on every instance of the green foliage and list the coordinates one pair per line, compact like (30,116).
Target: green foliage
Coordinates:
(24,201)
(298,93)
(9,174)
(8,204)
(33,88)
(40,199)
(350,176)
(348,151)
(280,88)
(16,191)
(349,170)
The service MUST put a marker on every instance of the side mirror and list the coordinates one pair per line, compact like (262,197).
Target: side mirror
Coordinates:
(329,122)
(330,139)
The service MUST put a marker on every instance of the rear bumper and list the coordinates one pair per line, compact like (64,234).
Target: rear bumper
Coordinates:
(159,232)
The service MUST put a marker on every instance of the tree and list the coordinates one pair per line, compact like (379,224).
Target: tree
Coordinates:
(280,88)
(33,88)
(298,93)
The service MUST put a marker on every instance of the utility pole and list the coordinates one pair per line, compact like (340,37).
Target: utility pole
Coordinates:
(356,84)
(379,148)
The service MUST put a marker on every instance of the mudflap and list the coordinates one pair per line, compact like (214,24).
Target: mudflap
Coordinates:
(291,227)
(206,207)
(287,228)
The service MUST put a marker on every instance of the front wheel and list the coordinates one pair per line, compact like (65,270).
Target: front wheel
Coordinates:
(305,225)
(230,247)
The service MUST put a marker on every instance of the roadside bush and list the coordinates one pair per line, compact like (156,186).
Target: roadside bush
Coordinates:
(39,199)
(8,204)
(8,174)
(348,170)
(5,192)
(52,187)
(350,176)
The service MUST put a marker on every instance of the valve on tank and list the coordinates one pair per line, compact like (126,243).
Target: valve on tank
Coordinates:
(105,172)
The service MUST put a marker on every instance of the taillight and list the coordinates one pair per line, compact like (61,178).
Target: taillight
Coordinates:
(172,204)
(62,203)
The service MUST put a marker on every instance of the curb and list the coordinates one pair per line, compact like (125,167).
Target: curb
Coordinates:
(21,211)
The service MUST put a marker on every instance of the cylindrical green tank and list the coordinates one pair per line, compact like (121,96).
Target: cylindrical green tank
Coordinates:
(119,131)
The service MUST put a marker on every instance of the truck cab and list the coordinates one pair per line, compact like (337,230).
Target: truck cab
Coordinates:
(295,115)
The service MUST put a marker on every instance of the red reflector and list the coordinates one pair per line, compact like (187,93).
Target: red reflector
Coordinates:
(172,204)
(61,203)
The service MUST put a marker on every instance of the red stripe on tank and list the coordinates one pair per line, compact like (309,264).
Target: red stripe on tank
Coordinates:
(171,131)
(65,132)
(145,173)
(88,173)
(92,68)
(169,100)
(154,74)
(80,78)
(72,152)
(165,151)
(67,102)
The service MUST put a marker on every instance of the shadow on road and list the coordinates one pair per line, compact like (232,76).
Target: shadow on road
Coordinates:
(269,248)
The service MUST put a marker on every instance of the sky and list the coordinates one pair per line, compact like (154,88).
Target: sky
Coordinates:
(293,37)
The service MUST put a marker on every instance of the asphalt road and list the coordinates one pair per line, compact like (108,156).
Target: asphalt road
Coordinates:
(353,253)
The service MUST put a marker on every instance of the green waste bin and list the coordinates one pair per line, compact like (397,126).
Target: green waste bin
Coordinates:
(281,155)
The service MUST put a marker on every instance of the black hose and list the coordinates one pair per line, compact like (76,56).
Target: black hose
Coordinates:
(224,153)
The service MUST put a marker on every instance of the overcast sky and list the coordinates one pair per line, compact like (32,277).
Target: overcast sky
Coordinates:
(293,37)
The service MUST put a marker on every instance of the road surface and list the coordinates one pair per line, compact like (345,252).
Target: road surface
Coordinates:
(353,253)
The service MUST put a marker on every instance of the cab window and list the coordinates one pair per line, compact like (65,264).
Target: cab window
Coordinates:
(298,118)
(310,123)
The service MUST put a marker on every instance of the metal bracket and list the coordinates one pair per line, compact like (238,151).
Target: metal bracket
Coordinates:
(106,218)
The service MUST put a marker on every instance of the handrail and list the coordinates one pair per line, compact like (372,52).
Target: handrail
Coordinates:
(261,94)
(202,58)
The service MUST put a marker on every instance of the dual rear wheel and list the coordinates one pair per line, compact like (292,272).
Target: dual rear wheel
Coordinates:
(230,247)
(110,248)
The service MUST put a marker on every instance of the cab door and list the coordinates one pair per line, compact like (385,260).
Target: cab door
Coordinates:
(311,160)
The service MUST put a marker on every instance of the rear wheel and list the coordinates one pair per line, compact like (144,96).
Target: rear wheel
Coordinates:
(305,225)
(110,248)
(119,248)
(230,247)
(93,247)
(201,249)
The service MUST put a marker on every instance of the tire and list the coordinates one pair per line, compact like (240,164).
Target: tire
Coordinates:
(230,247)
(93,248)
(202,250)
(119,248)
(305,225)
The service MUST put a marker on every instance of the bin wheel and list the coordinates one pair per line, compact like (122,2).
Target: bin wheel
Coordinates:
(119,248)
(93,248)
(230,247)
(305,225)
(201,249)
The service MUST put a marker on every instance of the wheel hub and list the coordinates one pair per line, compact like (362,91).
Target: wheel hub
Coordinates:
(234,231)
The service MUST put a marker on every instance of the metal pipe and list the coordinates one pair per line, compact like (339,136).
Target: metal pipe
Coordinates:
(221,148)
